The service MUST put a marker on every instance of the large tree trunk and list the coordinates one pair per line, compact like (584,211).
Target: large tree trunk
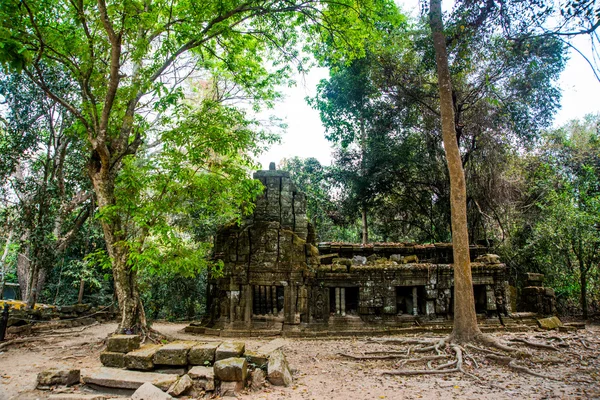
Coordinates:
(465,320)
(125,278)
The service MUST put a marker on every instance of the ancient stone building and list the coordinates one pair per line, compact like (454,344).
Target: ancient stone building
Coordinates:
(275,277)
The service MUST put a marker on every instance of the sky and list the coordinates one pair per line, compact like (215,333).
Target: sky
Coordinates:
(305,135)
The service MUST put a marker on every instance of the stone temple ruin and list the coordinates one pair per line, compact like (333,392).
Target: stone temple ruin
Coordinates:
(276,278)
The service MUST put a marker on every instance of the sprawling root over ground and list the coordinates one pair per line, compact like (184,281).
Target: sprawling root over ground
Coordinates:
(439,356)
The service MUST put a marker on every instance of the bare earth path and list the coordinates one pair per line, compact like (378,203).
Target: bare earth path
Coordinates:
(321,373)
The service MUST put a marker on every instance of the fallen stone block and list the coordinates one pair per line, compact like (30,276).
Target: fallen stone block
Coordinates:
(112,359)
(270,347)
(203,353)
(199,372)
(203,377)
(229,349)
(142,358)
(182,385)
(149,392)
(123,378)
(231,369)
(256,358)
(278,371)
(57,376)
(175,353)
(123,343)
(231,389)
(549,323)
(166,382)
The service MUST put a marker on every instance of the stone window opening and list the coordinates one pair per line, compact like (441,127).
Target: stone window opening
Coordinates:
(410,300)
(343,300)
(479,293)
(267,299)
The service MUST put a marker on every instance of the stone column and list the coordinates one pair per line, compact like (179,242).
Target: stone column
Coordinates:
(274,298)
(268,300)
(414,298)
(343,301)
(248,304)
(263,297)
(337,301)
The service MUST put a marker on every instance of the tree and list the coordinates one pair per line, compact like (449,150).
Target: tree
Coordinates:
(128,60)
(564,237)
(465,327)
(42,169)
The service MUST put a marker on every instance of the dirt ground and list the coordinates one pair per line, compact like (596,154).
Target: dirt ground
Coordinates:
(320,372)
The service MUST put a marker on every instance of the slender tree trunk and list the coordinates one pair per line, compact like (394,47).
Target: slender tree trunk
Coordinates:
(365,227)
(583,282)
(363,173)
(465,320)
(81,289)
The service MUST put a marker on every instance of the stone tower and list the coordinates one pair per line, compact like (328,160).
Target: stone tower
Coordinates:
(266,259)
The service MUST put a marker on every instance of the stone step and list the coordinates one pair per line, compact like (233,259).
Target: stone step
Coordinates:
(125,379)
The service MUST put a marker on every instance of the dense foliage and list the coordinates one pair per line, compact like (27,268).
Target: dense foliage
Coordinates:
(128,137)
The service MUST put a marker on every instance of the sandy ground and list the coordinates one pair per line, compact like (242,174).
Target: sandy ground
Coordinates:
(321,373)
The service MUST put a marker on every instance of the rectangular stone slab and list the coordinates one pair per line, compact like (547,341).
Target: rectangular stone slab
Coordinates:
(142,358)
(230,349)
(202,353)
(175,353)
(122,378)
(270,347)
(112,359)
(123,343)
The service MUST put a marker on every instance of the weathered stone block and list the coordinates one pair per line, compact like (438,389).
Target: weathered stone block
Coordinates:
(124,379)
(142,358)
(123,343)
(175,353)
(58,376)
(201,372)
(229,349)
(182,385)
(149,392)
(549,323)
(203,377)
(278,371)
(231,369)
(256,358)
(231,389)
(203,353)
(112,359)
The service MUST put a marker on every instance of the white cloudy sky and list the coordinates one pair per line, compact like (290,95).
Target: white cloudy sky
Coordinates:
(305,136)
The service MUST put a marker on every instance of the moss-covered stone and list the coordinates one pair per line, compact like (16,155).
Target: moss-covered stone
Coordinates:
(203,353)
(112,359)
(229,349)
(175,353)
(123,343)
(143,358)
(232,369)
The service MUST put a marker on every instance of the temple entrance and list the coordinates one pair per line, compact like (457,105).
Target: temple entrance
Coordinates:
(343,300)
(479,293)
(410,300)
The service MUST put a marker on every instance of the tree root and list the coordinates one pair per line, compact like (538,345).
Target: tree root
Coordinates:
(489,347)
(512,363)
(382,357)
(534,344)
